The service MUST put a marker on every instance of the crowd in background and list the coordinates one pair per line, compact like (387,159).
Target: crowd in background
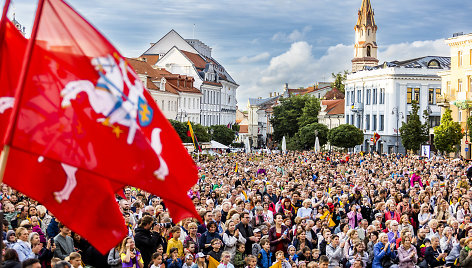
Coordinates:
(297,209)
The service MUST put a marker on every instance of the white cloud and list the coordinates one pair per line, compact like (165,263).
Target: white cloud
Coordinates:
(294,36)
(256,58)
(404,51)
(299,67)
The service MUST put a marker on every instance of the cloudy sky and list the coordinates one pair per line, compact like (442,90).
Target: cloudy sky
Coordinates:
(266,43)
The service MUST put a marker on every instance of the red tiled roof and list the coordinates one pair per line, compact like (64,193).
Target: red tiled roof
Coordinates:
(142,67)
(197,60)
(212,83)
(150,84)
(334,94)
(334,107)
(243,128)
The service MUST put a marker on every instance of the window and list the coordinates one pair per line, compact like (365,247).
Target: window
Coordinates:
(368,51)
(374,123)
(417,95)
(438,94)
(408,95)
(352,119)
(168,106)
(185,103)
(162,105)
(460,116)
(431,96)
(470,83)
(359,96)
(381,123)
(382,96)
(367,97)
(374,96)
(368,32)
(434,121)
(367,122)
(448,86)
(353,97)
(347,100)
(347,119)
(434,64)
(459,58)
(459,85)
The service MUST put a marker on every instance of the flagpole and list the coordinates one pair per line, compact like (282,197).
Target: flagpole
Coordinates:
(22,80)
(6,148)
(3,22)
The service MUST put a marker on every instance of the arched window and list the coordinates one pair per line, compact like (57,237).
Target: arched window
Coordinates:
(368,51)
(433,64)
(368,32)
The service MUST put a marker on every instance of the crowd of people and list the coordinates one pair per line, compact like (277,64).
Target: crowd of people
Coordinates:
(291,210)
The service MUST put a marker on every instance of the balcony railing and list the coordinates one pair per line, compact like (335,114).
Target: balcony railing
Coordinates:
(443,101)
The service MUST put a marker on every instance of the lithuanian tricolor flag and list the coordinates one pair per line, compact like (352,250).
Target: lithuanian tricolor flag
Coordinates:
(190,133)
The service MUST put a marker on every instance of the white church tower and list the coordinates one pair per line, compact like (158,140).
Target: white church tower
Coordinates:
(365,47)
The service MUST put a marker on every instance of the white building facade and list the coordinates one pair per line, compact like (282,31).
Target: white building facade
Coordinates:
(193,58)
(378,99)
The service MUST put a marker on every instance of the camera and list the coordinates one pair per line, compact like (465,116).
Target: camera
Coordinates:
(166,224)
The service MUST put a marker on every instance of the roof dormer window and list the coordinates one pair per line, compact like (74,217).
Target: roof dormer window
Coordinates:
(434,64)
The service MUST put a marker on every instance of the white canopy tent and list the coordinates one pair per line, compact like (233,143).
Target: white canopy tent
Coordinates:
(217,145)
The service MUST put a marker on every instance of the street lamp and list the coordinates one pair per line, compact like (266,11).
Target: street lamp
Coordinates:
(397,113)
(429,111)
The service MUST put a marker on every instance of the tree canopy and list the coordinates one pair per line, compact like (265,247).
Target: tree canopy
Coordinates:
(413,132)
(345,136)
(294,113)
(200,131)
(222,134)
(339,79)
(309,133)
(448,134)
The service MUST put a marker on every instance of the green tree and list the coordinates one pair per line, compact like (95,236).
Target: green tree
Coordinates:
(345,136)
(413,132)
(222,134)
(201,132)
(469,126)
(181,129)
(294,143)
(309,132)
(235,127)
(290,112)
(312,107)
(339,79)
(448,134)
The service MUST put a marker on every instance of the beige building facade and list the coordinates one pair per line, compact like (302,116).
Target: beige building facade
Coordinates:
(457,85)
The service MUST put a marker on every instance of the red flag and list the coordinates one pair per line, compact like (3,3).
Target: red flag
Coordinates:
(83,106)
(376,137)
(102,219)
(11,56)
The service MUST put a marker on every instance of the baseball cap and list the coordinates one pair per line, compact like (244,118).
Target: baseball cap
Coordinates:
(378,215)
(200,255)
(257,230)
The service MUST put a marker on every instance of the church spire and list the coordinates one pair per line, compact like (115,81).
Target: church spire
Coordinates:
(366,16)
(365,47)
